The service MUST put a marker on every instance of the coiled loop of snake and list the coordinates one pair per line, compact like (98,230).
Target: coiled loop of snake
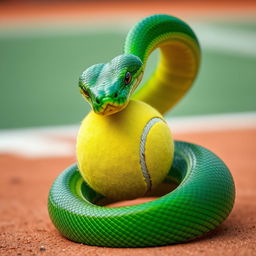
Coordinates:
(205,189)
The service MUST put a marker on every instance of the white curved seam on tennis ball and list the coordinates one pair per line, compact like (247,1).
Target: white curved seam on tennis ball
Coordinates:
(143,139)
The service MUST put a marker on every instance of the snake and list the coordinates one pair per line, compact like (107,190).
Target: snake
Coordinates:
(204,191)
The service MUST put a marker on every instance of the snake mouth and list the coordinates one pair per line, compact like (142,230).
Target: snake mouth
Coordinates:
(110,109)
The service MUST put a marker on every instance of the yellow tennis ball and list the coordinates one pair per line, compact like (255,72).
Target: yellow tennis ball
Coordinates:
(127,154)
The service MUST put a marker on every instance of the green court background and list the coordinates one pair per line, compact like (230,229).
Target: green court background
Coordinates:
(39,74)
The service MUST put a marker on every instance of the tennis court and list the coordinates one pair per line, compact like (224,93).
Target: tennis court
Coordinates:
(44,49)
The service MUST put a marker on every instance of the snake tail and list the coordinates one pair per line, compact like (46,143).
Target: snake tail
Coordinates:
(179,59)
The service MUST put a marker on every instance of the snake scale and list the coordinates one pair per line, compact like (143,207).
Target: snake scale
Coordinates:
(205,190)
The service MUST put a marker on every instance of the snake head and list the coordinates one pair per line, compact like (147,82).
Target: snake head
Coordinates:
(107,87)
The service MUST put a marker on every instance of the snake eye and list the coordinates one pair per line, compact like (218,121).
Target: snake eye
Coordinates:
(84,92)
(127,78)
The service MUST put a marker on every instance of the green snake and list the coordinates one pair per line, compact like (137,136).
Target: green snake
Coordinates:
(204,193)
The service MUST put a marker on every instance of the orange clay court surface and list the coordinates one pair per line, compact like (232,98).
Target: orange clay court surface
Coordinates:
(25,227)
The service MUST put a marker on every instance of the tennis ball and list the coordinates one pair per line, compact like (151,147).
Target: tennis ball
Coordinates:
(127,154)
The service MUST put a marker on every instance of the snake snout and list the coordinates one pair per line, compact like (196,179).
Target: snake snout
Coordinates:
(107,105)
(103,100)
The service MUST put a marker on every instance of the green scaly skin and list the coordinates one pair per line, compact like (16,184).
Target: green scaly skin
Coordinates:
(205,191)
(104,86)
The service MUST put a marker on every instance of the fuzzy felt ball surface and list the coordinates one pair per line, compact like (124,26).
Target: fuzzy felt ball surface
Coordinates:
(127,154)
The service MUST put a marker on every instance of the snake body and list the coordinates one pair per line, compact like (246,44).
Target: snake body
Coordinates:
(205,190)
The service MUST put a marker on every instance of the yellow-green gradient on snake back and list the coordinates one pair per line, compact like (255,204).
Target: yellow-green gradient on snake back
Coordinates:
(205,190)
(179,58)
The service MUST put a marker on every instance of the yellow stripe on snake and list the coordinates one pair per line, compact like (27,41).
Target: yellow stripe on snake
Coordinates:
(205,190)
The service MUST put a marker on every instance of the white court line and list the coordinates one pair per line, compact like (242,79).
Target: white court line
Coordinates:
(226,40)
(212,37)
(213,122)
(40,142)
